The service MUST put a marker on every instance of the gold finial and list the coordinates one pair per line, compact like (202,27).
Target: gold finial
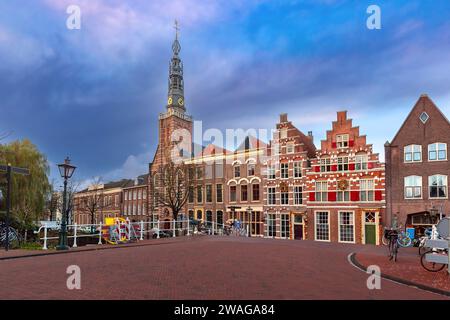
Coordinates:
(177,28)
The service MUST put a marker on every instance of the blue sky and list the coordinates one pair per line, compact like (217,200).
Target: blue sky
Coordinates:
(95,94)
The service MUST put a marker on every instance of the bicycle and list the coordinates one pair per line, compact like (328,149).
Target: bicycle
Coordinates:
(14,237)
(392,235)
(430,265)
(403,239)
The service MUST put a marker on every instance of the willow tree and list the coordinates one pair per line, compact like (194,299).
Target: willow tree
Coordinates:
(29,194)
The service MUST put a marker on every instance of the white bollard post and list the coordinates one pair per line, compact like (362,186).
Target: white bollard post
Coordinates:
(45,238)
(248,229)
(213,228)
(188,227)
(157,229)
(142,230)
(74,235)
(173,228)
(129,229)
(100,234)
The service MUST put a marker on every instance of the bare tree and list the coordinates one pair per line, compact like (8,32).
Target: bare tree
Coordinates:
(93,200)
(172,184)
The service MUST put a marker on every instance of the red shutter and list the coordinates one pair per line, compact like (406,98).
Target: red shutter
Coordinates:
(351,166)
(331,196)
(317,168)
(370,165)
(378,195)
(334,167)
(354,195)
(333,145)
(351,143)
(312,196)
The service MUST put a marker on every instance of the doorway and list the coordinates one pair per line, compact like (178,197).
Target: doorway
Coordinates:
(370,227)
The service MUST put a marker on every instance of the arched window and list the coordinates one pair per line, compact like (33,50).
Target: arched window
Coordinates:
(413,153)
(437,151)
(413,187)
(438,186)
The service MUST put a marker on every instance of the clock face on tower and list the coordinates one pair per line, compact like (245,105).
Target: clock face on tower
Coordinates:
(181,101)
(169,101)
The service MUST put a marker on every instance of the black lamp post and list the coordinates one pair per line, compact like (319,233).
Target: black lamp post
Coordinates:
(66,171)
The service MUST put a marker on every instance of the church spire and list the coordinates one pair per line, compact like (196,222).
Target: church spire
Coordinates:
(176,83)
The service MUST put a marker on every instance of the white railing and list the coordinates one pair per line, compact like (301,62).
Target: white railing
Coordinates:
(138,230)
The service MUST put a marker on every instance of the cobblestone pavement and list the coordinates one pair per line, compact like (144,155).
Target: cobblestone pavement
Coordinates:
(202,268)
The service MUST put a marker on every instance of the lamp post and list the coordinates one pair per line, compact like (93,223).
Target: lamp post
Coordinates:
(66,171)
(249,210)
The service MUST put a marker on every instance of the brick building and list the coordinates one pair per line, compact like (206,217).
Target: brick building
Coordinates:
(98,202)
(417,167)
(284,181)
(135,200)
(345,187)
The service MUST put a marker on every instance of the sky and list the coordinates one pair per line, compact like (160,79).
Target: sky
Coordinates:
(95,94)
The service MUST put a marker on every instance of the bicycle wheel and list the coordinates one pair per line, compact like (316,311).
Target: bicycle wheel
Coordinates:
(431,266)
(422,249)
(395,251)
(404,240)
(385,241)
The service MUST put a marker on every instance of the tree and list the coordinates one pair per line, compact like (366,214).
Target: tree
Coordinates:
(93,199)
(172,184)
(28,193)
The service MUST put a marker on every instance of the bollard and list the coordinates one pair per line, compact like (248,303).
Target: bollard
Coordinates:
(188,227)
(173,228)
(45,238)
(142,230)
(100,234)
(74,235)
(157,229)
(213,228)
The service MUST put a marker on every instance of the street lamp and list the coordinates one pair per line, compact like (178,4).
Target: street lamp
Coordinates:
(249,210)
(66,171)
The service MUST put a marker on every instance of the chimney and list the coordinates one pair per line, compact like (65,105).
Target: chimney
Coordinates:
(283,117)
(310,135)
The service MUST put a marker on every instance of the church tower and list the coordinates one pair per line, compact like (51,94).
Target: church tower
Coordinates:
(175,116)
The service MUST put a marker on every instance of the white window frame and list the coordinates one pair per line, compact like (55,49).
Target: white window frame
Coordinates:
(339,227)
(342,140)
(269,196)
(297,168)
(363,187)
(315,225)
(298,195)
(413,187)
(283,133)
(362,161)
(284,195)
(284,168)
(410,149)
(271,172)
(290,147)
(319,189)
(437,150)
(285,226)
(445,185)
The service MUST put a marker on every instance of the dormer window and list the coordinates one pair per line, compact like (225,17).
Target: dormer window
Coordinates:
(283,133)
(342,140)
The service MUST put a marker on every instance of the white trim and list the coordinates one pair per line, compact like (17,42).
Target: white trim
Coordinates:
(339,226)
(437,152)
(329,225)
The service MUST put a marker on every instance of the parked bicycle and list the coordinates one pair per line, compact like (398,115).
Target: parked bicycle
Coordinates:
(392,237)
(403,239)
(431,262)
(14,236)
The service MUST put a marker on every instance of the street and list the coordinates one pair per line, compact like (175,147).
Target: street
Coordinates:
(202,268)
